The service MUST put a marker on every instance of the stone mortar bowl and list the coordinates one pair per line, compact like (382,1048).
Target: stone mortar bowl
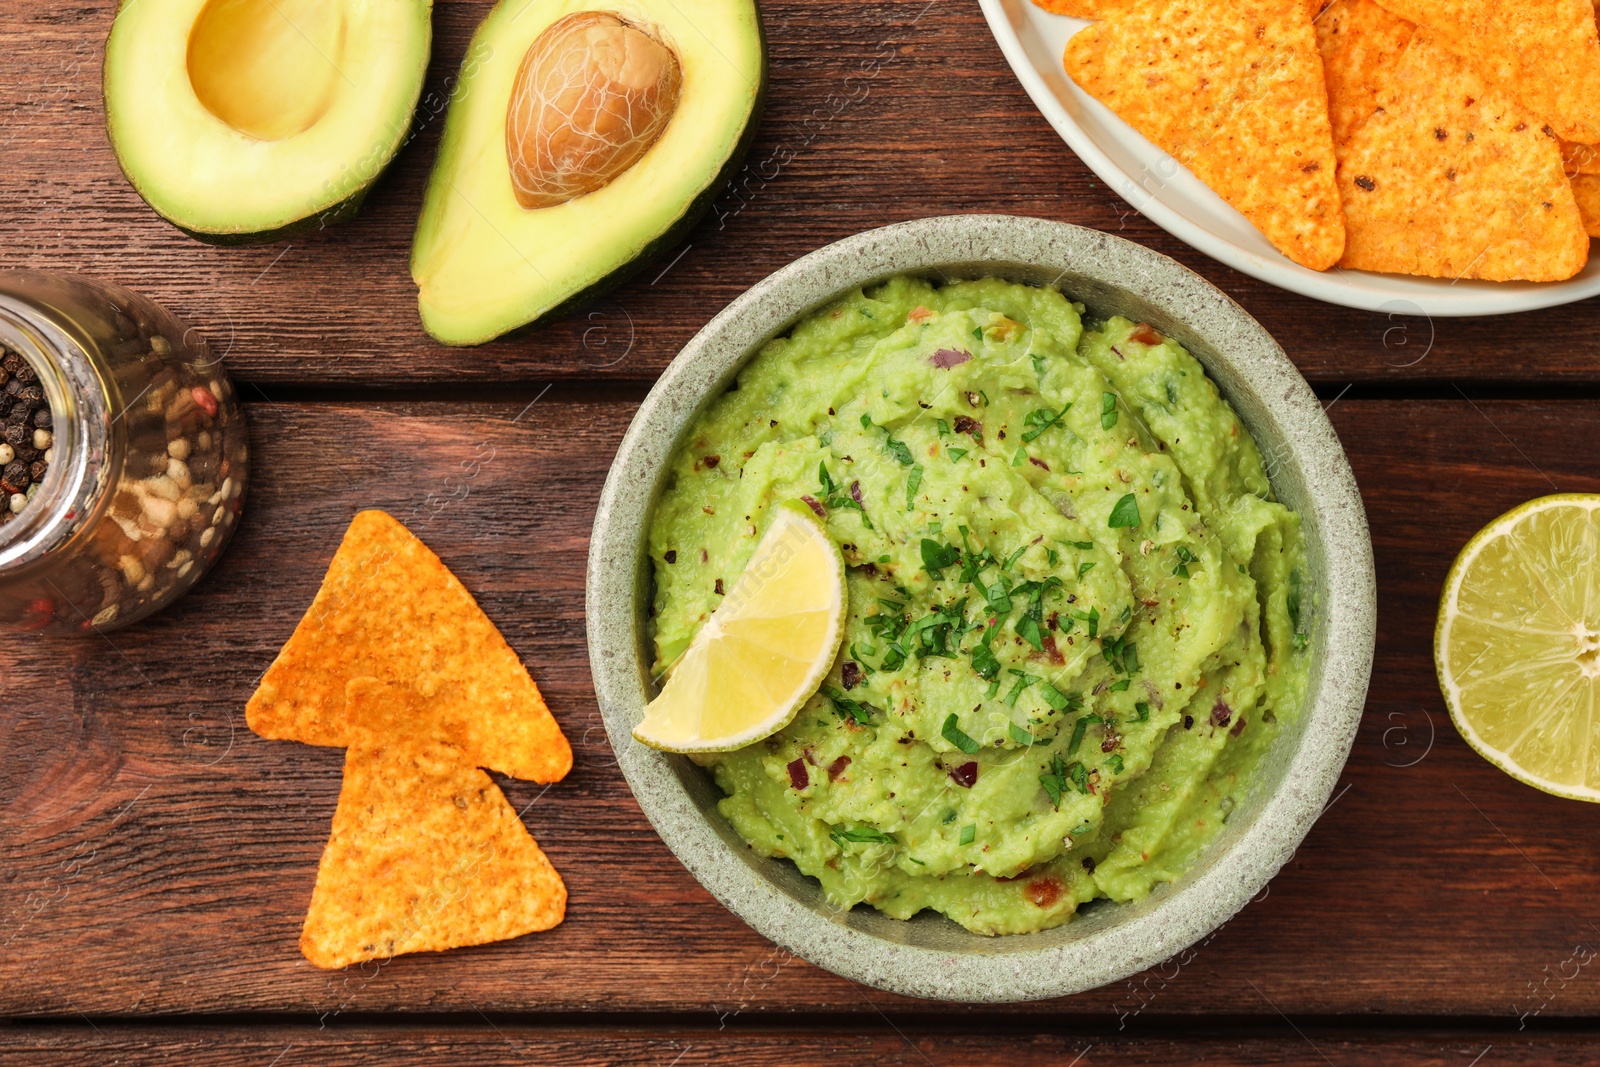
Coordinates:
(929,956)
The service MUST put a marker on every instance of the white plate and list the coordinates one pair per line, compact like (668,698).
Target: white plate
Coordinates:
(1174,199)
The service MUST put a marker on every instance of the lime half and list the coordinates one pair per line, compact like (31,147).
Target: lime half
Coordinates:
(1518,644)
(763,652)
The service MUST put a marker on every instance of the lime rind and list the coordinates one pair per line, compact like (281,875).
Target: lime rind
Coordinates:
(1559,671)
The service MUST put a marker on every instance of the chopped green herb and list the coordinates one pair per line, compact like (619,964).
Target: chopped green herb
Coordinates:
(846,708)
(913,482)
(1080,777)
(936,557)
(899,450)
(1020,458)
(1054,780)
(1185,557)
(1125,514)
(977,334)
(943,428)
(885,558)
(1024,679)
(999,596)
(1142,712)
(955,453)
(1085,568)
(952,733)
(1080,829)
(1038,365)
(1039,420)
(968,833)
(1078,730)
(1020,735)
(1108,410)
(1092,617)
(1028,629)
(1084,545)
(949,816)
(860,835)
(913,859)
(983,661)
(1011,559)
(1172,392)
(1120,687)
(1051,557)
(1114,761)
(1058,700)
(866,422)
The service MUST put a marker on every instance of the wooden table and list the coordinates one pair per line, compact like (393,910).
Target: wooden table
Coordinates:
(156,857)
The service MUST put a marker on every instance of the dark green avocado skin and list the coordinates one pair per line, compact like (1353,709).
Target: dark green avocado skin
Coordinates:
(679,229)
(343,211)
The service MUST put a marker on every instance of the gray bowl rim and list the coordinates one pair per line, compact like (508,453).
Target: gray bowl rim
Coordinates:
(1218,885)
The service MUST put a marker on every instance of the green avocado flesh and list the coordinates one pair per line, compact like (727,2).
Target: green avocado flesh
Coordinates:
(1076,620)
(483,263)
(242,120)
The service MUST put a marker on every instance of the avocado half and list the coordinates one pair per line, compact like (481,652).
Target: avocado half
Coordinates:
(484,264)
(250,120)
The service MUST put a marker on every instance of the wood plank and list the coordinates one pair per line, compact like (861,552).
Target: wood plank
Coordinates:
(156,857)
(859,131)
(507,1042)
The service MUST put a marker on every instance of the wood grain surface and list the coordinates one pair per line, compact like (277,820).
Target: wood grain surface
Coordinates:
(495,1044)
(935,124)
(157,857)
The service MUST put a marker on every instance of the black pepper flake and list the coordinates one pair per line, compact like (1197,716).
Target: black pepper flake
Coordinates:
(1188,722)
(850,674)
(671,555)
(1309,168)
(1439,133)
(1088,864)
(711,461)
(719,588)
(1366,183)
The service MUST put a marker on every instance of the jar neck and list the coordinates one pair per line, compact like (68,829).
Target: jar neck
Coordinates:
(85,452)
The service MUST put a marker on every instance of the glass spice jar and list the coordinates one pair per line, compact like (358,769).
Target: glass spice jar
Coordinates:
(147,465)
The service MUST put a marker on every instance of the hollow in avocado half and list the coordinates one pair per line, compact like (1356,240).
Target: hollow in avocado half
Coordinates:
(249,120)
(585,135)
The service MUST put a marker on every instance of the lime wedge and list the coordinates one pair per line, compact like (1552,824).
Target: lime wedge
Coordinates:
(1518,644)
(763,652)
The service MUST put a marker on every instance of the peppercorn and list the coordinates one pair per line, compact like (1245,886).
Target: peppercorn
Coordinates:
(16,434)
(17,476)
(26,373)
(31,394)
(11,362)
(38,469)
(42,419)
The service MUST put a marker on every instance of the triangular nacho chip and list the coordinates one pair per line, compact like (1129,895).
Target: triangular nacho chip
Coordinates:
(1234,91)
(1453,179)
(1544,53)
(1360,42)
(389,609)
(1586,190)
(425,853)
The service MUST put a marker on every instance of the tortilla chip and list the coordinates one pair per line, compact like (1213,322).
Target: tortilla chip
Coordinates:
(1544,53)
(389,609)
(1360,42)
(425,852)
(1581,158)
(1235,93)
(1586,190)
(1452,179)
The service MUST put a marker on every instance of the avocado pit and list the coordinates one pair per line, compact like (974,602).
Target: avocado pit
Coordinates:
(594,92)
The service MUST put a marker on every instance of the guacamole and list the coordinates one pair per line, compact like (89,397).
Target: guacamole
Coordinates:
(1075,608)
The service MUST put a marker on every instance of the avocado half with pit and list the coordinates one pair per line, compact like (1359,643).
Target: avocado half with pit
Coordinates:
(249,120)
(584,137)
